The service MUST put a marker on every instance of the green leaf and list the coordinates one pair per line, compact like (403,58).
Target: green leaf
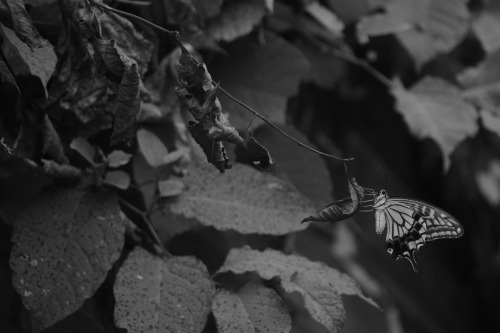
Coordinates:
(117,178)
(262,76)
(425,28)
(254,308)
(320,286)
(162,295)
(244,200)
(65,242)
(151,147)
(170,187)
(84,148)
(117,158)
(435,109)
(238,18)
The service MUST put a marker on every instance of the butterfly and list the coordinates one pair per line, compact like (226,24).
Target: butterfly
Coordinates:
(410,223)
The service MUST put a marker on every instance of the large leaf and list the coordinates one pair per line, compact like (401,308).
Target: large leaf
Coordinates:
(341,209)
(320,286)
(238,18)
(28,54)
(262,76)
(435,109)
(254,308)
(425,27)
(244,200)
(32,65)
(162,295)
(64,244)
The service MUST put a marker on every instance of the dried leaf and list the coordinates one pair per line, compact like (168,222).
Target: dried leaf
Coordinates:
(151,147)
(434,108)
(244,200)
(199,96)
(118,178)
(261,76)
(341,209)
(65,242)
(237,18)
(254,308)
(128,104)
(117,158)
(162,295)
(320,286)
(170,187)
(258,153)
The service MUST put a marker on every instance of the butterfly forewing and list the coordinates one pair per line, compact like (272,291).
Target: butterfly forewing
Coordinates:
(439,224)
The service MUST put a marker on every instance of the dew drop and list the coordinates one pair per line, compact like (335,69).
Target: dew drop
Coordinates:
(139,276)
(33,263)
(27,293)
(24,257)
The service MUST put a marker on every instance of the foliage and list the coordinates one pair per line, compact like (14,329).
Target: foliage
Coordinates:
(148,181)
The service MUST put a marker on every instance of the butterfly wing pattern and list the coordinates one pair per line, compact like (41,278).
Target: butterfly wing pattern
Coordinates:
(410,224)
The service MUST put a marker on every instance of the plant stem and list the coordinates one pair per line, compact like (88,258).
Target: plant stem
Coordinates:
(176,37)
(301,144)
(149,226)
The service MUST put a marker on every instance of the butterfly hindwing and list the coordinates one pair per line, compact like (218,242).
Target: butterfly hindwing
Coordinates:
(410,223)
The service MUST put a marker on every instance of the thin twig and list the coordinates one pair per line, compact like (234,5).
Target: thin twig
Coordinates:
(301,144)
(171,33)
(175,35)
(149,226)
(363,64)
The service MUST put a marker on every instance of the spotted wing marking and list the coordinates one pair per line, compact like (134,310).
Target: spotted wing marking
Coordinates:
(410,223)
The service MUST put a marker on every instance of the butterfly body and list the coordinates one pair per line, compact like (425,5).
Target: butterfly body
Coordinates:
(410,224)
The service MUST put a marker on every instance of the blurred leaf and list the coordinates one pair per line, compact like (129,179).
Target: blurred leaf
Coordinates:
(425,28)
(341,209)
(349,11)
(491,120)
(434,108)
(151,147)
(487,29)
(84,148)
(320,286)
(32,64)
(488,182)
(162,295)
(485,75)
(325,17)
(65,242)
(117,158)
(244,200)
(170,187)
(254,308)
(238,18)
(261,76)
(117,178)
